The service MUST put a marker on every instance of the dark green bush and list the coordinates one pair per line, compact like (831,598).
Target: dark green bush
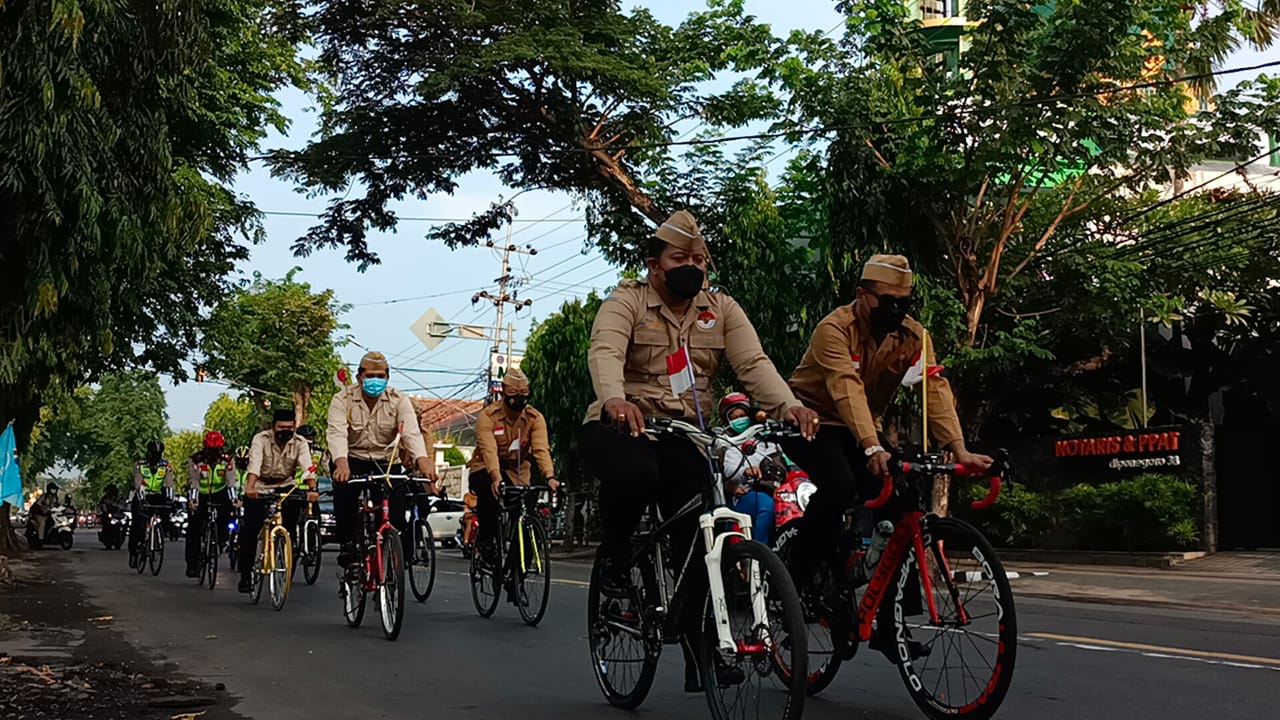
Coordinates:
(1019,518)
(454,456)
(1148,512)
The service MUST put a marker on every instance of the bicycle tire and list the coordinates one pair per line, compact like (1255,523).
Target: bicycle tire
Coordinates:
(155,556)
(785,619)
(255,573)
(422,566)
(211,553)
(536,565)
(233,550)
(959,538)
(484,584)
(391,589)
(142,557)
(824,663)
(311,559)
(353,601)
(604,613)
(281,567)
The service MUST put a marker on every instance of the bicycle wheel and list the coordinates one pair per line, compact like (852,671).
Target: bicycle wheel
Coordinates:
(391,589)
(142,555)
(281,568)
(484,583)
(533,574)
(211,555)
(312,554)
(258,574)
(625,643)
(353,599)
(972,647)
(422,564)
(823,661)
(155,559)
(745,684)
(233,550)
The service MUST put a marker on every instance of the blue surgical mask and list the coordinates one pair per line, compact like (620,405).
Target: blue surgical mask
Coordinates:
(740,424)
(373,387)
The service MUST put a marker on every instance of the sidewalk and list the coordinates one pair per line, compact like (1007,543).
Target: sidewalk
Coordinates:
(1226,582)
(60,658)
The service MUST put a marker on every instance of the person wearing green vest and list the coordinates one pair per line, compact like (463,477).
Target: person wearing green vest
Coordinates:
(211,482)
(153,488)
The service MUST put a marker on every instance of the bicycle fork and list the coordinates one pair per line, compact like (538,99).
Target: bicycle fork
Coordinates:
(715,542)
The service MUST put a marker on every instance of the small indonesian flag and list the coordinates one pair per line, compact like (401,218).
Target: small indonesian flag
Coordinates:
(680,371)
(342,378)
(917,371)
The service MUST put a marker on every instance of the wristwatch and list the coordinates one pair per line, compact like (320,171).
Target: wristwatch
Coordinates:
(873,450)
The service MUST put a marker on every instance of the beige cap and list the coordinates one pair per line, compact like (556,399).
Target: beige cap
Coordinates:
(515,380)
(373,358)
(681,230)
(892,270)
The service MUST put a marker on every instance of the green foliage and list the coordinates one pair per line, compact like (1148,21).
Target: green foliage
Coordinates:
(275,340)
(178,449)
(543,93)
(122,125)
(101,430)
(1148,512)
(236,419)
(454,456)
(560,384)
(1020,517)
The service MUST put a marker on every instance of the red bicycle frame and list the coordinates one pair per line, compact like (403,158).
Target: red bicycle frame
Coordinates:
(373,569)
(910,534)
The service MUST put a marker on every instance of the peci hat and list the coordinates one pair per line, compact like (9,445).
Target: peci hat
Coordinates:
(515,380)
(891,270)
(681,230)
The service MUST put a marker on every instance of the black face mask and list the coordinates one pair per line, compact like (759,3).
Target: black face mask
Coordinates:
(889,312)
(684,281)
(516,402)
(284,436)
(212,455)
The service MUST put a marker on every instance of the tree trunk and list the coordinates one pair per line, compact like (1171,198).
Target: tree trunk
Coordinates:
(570,511)
(9,544)
(612,170)
(301,401)
(973,316)
(941,495)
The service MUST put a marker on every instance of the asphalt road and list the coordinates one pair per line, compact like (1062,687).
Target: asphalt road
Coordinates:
(1075,660)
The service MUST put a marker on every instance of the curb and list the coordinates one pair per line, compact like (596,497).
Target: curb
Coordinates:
(1147,602)
(1155,560)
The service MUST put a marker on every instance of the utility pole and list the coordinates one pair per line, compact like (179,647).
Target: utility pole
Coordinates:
(501,300)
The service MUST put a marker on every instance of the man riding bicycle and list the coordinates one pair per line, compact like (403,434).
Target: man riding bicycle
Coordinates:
(152,486)
(637,327)
(276,457)
(856,360)
(363,422)
(211,481)
(510,434)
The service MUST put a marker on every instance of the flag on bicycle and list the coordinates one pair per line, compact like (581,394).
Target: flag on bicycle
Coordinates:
(918,370)
(680,371)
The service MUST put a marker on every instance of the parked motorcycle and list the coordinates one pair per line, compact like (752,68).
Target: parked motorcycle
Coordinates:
(115,529)
(178,522)
(59,528)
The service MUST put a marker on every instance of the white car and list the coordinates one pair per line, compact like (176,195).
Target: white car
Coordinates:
(445,519)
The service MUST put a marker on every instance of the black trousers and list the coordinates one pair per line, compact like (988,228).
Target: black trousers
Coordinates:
(255,516)
(138,521)
(488,507)
(195,528)
(635,473)
(346,499)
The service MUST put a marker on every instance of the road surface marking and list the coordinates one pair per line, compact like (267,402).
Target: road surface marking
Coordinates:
(554,581)
(1158,650)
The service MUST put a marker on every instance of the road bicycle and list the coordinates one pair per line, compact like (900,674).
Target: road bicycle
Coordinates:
(422,557)
(209,548)
(381,568)
(309,542)
(273,561)
(958,659)
(730,600)
(152,552)
(523,569)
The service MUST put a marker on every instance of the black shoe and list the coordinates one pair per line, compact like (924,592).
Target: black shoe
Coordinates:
(245,586)
(692,680)
(729,675)
(133,561)
(615,581)
(347,556)
(192,573)
(884,642)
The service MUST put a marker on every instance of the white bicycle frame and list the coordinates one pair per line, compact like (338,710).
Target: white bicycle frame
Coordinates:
(714,541)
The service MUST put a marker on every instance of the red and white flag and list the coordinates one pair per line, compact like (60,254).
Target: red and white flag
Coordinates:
(918,371)
(680,371)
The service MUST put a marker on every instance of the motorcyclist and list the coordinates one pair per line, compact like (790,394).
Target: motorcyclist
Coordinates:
(211,481)
(153,488)
(111,502)
(41,512)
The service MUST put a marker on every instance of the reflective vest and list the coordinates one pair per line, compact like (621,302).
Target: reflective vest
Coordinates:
(212,482)
(315,467)
(153,481)
(242,476)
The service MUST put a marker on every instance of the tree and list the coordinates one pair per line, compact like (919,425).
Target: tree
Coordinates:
(560,387)
(178,449)
(570,96)
(123,124)
(235,418)
(274,339)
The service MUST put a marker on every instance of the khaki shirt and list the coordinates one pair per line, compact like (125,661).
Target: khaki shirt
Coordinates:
(849,381)
(511,445)
(357,431)
(277,466)
(634,332)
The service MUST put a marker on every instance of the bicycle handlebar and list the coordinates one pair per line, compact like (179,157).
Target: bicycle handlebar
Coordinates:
(768,429)
(905,467)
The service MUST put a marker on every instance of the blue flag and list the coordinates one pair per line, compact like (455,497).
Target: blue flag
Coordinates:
(10,478)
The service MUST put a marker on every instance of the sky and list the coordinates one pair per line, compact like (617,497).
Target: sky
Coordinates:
(417,274)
